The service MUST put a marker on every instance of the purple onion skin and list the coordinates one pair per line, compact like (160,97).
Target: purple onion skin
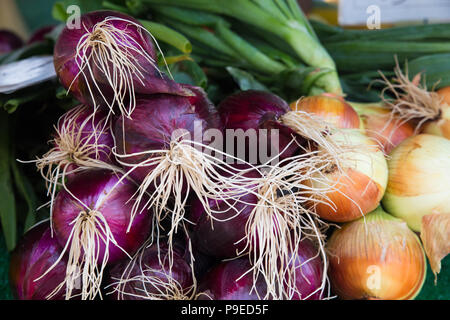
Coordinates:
(223,241)
(220,283)
(154,120)
(9,42)
(181,272)
(35,253)
(39,35)
(256,110)
(91,187)
(67,69)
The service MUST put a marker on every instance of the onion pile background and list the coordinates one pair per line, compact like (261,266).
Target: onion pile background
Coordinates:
(208,279)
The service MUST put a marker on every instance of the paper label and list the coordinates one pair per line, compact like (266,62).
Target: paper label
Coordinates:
(376,12)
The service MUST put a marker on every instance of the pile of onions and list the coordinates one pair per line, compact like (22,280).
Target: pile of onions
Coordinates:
(356,186)
(379,124)
(9,42)
(149,275)
(428,110)
(418,191)
(35,253)
(376,257)
(333,109)
(83,140)
(231,281)
(109,60)
(90,219)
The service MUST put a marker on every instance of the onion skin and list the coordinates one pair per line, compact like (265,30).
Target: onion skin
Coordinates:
(419,179)
(35,253)
(67,69)
(376,257)
(441,127)
(9,42)
(91,187)
(40,34)
(332,109)
(359,190)
(222,283)
(155,118)
(256,110)
(133,290)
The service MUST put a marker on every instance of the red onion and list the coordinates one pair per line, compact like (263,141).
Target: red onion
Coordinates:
(40,34)
(35,253)
(230,280)
(90,218)
(150,277)
(9,42)
(108,60)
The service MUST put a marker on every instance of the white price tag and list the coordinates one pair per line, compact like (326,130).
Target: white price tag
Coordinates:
(375,12)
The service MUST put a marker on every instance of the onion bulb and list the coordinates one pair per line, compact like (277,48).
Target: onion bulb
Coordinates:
(376,257)
(332,109)
(9,42)
(108,60)
(35,253)
(382,126)
(414,103)
(419,179)
(356,186)
(149,276)
(92,222)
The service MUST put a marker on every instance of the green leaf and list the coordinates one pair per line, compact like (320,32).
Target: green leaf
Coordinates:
(7,201)
(60,13)
(245,80)
(25,189)
(189,72)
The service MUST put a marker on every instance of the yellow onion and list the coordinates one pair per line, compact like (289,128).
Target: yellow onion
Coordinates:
(331,108)
(376,257)
(441,126)
(379,124)
(355,188)
(419,179)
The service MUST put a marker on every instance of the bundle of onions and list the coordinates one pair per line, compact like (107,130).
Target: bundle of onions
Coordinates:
(267,223)
(34,254)
(9,42)
(357,186)
(376,257)
(333,109)
(255,111)
(90,219)
(418,191)
(149,275)
(429,110)
(382,126)
(108,59)
(83,140)
(230,280)
(162,149)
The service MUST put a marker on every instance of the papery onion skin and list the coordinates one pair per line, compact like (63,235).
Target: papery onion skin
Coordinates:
(35,253)
(156,118)
(9,42)
(359,189)
(222,239)
(441,126)
(255,110)
(419,179)
(382,126)
(227,281)
(332,109)
(91,188)
(150,259)
(65,60)
(376,257)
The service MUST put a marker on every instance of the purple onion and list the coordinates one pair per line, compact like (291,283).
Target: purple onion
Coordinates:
(230,280)
(130,40)
(40,34)
(9,42)
(35,253)
(257,110)
(148,275)
(98,192)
